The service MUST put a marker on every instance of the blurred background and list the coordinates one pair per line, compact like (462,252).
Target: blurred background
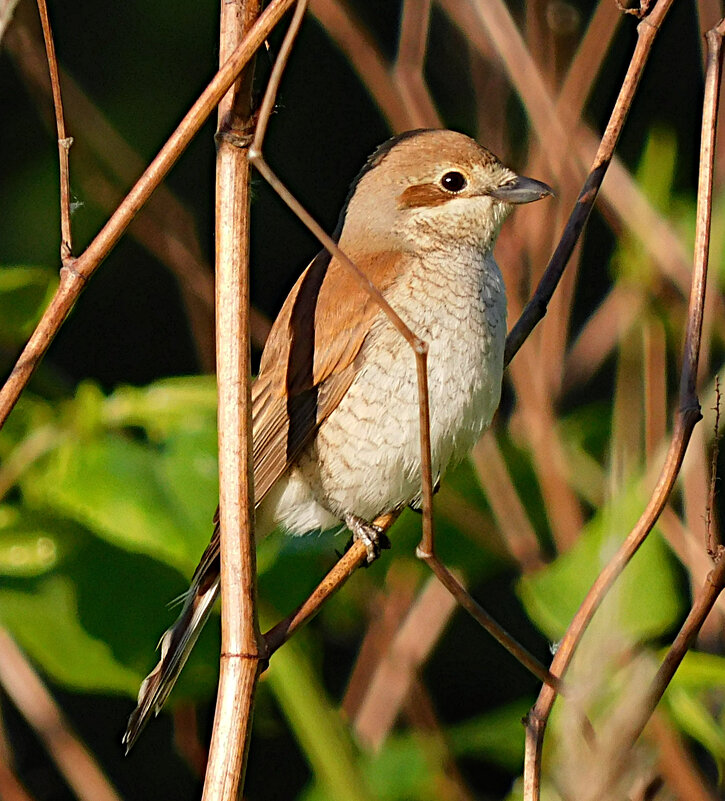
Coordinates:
(107,465)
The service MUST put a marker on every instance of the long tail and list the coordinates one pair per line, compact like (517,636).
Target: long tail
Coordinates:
(177,642)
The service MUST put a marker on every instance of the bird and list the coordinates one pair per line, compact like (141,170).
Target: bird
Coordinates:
(335,421)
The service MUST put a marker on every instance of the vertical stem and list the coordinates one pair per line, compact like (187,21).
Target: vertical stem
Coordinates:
(64,141)
(240,657)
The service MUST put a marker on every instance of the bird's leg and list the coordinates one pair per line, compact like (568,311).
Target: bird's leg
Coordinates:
(373,537)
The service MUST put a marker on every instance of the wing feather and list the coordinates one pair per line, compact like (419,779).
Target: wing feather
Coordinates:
(307,367)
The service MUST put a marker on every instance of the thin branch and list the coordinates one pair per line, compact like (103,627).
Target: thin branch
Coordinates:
(714,585)
(351,560)
(536,308)
(511,517)
(75,275)
(31,697)
(687,417)
(712,544)
(677,766)
(64,141)
(386,609)
(242,649)
(481,616)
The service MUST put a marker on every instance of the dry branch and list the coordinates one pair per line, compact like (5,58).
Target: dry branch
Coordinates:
(536,308)
(242,650)
(64,141)
(31,697)
(74,276)
(687,417)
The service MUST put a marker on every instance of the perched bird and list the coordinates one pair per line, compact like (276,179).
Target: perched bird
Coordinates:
(335,406)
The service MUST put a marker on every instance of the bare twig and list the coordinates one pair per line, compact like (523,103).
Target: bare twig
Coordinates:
(74,276)
(714,585)
(242,649)
(677,766)
(508,510)
(64,141)
(687,417)
(481,616)
(712,545)
(75,763)
(386,609)
(355,556)
(536,307)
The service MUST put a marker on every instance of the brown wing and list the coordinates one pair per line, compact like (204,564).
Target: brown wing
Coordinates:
(308,363)
(307,366)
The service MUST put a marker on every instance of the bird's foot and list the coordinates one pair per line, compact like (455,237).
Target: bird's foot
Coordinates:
(373,537)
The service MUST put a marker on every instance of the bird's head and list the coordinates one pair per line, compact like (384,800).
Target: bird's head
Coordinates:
(432,188)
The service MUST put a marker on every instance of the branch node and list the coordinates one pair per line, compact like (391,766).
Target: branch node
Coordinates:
(421,346)
(66,143)
(241,139)
(423,553)
(68,272)
(241,655)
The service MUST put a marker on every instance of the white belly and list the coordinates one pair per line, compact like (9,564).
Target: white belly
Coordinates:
(365,459)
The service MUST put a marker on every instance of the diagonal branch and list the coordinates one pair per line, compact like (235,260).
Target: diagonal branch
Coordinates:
(687,417)
(536,308)
(409,68)
(74,761)
(74,275)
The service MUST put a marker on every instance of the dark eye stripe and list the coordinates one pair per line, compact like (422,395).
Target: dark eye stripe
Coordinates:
(423,195)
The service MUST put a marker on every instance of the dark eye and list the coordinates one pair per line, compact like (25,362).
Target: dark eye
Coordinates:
(454,181)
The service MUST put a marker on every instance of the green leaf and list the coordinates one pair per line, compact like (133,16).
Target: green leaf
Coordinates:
(123,491)
(693,716)
(406,767)
(497,736)
(168,406)
(92,619)
(646,599)
(699,671)
(27,548)
(24,293)
(45,623)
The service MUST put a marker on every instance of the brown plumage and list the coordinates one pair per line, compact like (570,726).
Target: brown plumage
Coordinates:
(334,409)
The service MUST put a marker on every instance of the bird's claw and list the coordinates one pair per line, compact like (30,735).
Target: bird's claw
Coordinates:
(372,537)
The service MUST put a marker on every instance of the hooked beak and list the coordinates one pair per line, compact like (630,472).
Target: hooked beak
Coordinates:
(522,190)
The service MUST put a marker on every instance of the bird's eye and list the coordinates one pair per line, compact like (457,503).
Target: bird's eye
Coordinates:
(454,181)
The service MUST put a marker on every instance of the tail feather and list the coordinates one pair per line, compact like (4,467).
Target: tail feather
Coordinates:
(175,645)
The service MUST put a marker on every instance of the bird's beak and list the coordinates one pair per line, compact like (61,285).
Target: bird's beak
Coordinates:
(521,190)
